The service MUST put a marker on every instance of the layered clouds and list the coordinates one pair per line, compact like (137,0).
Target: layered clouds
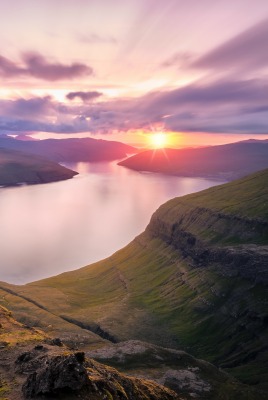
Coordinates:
(230,93)
(246,52)
(223,106)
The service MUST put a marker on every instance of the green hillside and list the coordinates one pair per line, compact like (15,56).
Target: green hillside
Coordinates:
(17,167)
(196,279)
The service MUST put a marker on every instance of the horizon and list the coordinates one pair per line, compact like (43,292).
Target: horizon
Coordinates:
(120,70)
(173,142)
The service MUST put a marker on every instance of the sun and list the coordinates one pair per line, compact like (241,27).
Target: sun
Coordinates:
(158,139)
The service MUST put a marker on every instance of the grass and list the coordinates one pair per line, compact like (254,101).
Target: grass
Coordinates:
(150,291)
(4,390)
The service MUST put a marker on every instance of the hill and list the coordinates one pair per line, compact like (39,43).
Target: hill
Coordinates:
(33,365)
(17,167)
(71,150)
(196,280)
(229,161)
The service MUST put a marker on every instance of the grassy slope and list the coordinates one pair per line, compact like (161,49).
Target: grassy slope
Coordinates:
(150,291)
(18,167)
(246,197)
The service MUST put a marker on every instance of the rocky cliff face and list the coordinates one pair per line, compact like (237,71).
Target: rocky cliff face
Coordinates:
(195,280)
(205,238)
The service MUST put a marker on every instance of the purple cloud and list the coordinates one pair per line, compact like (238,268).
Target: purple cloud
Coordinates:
(215,93)
(246,51)
(84,96)
(37,66)
(9,68)
(36,106)
(221,106)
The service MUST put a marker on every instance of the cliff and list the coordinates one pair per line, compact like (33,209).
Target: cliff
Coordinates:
(195,280)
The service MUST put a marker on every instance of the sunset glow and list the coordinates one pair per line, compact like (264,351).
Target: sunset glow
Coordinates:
(113,68)
(158,140)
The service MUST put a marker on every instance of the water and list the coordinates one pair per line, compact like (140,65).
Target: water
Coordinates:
(52,228)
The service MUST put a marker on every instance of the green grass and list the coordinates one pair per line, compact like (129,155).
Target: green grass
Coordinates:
(150,291)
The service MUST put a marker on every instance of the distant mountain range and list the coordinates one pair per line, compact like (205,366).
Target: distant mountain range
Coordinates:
(195,280)
(229,161)
(17,167)
(71,150)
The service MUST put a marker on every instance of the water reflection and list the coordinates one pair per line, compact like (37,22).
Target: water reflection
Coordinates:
(52,228)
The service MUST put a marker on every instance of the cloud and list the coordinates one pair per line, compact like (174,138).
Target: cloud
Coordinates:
(224,106)
(221,106)
(33,107)
(224,92)
(246,51)
(84,96)
(37,66)
(9,68)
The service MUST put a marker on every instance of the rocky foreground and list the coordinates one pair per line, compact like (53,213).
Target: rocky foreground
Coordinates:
(195,280)
(34,366)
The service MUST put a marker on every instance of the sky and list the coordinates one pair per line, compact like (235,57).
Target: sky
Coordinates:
(121,69)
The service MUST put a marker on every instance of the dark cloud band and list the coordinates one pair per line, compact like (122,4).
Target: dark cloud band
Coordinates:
(84,96)
(37,66)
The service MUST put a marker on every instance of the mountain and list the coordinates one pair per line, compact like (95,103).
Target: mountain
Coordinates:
(195,280)
(71,150)
(33,365)
(17,167)
(229,161)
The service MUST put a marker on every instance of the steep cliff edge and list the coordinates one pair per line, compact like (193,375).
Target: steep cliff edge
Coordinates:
(196,280)
(225,226)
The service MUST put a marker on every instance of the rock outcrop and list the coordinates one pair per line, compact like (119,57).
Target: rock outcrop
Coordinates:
(31,367)
(72,375)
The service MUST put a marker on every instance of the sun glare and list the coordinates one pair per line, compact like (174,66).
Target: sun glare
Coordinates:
(158,139)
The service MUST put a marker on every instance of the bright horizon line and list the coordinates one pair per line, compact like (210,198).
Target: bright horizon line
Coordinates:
(182,140)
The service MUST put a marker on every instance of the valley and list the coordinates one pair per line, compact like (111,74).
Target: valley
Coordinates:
(195,280)
(134,200)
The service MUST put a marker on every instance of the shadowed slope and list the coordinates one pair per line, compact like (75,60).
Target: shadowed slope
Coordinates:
(227,161)
(196,278)
(71,150)
(17,167)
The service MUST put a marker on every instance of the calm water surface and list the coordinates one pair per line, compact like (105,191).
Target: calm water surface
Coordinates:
(52,228)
